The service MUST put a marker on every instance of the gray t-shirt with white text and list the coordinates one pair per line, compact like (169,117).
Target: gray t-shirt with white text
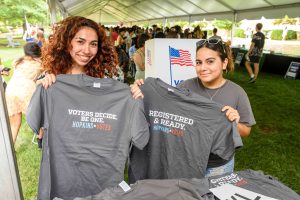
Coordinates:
(230,94)
(184,129)
(89,125)
(255,181)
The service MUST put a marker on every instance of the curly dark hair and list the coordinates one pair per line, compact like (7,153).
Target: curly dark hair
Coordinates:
(56,53)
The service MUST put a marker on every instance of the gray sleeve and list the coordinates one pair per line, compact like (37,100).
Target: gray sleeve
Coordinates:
(227,139)
(245,110)
(36,115)
(139,125)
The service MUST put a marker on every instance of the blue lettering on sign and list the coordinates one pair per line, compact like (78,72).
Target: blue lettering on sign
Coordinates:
(176,82)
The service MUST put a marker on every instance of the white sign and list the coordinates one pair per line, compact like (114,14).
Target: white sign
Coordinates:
(231,192)
(293,70)
(171,60)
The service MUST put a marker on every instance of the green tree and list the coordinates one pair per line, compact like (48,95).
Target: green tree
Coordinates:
(223,24)
(285,20)
(181,23)
(201,24)
(12,12)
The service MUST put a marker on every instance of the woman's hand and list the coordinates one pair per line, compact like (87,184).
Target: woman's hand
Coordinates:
(231,114)
(135,89)
(139,82)
(48,80)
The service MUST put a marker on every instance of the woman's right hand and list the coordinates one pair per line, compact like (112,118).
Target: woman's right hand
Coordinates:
(48,80)
(135,89)
(139,82)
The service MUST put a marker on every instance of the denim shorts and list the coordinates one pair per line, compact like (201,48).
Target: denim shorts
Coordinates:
(215,171)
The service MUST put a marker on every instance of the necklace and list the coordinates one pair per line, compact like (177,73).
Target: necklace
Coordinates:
(212,96)
(216,92)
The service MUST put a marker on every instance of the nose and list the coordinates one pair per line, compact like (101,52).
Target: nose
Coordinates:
(200,67)
(86,48)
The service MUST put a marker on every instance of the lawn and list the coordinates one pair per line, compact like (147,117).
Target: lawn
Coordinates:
(272,147)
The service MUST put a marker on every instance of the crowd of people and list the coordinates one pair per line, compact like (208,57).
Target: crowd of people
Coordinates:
(79,47)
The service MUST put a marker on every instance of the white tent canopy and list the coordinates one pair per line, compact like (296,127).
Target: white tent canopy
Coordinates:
(153,11)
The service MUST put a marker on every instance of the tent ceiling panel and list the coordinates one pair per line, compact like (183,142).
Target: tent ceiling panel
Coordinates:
(156,6)
(242,5)
(130,11)
(103,16)
(276,2)
(210,17)
(188,7)
(152,11)
(168,5)
(269,14)
(211,6)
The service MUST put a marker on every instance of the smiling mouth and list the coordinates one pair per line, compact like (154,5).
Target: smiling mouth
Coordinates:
(84,58)
(204,74)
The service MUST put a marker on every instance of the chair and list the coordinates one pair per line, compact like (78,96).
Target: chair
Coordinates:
(11,42)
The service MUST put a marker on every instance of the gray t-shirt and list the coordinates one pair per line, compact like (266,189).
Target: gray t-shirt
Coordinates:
(229,94)
(255,181)
(184,128)
(171,189)
(89,126)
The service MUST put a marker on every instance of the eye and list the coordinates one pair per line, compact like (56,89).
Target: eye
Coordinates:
(198,62)
(94,44)
(210,61)
(80,41)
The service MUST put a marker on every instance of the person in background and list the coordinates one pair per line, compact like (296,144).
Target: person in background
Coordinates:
(22,84)
(121,42)
(139,57)
(4,72)
(215,36)
(197,33)
(255,53)
(40,39)
(131,52)
(213,58)
(114,34)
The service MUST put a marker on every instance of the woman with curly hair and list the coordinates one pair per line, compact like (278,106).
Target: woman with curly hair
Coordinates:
(84,43)
(89,121)
(78,46)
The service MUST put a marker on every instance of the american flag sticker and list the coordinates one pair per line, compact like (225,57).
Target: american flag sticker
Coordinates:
(180,64)
(180,57)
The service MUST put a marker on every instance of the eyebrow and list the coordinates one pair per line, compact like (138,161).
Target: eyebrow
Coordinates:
(85,39)
(207,59)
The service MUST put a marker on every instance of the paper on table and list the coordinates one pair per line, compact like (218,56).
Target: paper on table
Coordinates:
(231,192)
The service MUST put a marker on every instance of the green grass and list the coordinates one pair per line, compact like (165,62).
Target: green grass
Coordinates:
(28,157)
(272,147)
(8,54)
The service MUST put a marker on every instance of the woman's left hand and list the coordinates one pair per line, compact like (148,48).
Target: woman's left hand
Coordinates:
(231,114)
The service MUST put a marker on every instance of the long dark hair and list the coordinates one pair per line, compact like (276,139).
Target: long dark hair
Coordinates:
(142,39)
(31,49)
